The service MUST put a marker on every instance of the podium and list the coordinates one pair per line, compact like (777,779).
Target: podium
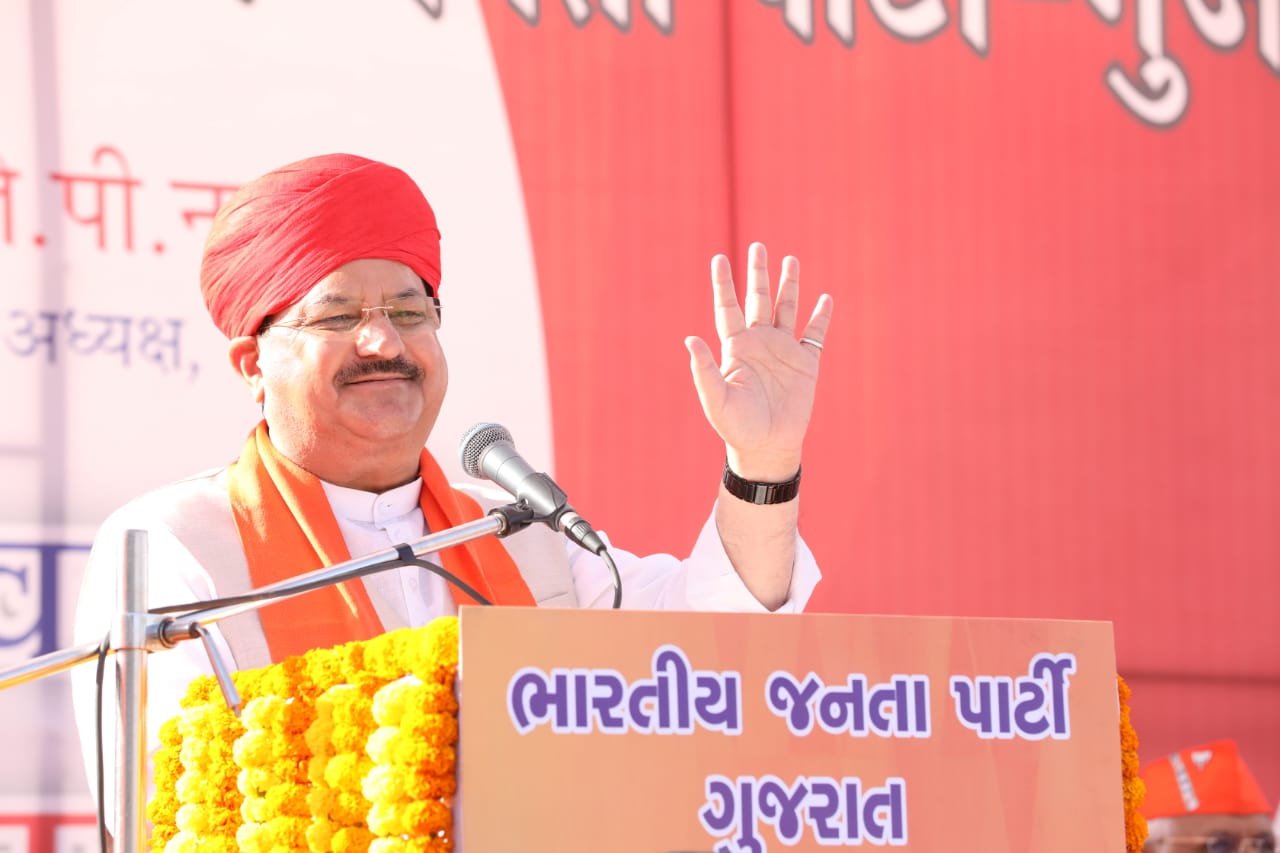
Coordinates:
(670,732)
(638,731)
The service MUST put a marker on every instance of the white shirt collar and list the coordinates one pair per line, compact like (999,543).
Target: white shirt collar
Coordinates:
(372,508)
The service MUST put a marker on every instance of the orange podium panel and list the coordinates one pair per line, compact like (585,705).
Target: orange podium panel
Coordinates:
(638,731)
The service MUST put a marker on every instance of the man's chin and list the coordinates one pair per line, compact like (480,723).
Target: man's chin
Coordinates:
(387,424)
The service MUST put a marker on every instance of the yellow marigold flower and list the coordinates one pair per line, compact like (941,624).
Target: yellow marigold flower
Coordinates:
(289,799)
(252,749)
(254,838)
(343,769)
(262,713)
(350,706)
(259,780)
(385,782)
(350,739)
(183,842)
(205,819)
(384,819)
(288,832)
(196,719)
(315,769)
(380,744)
(390,703)
(437,658)
(250,683)
(256,810)
(162,811)
(190,818)
(191,788)
(170,734)
(319,834)
(244,786)
(201,691)
(351,839)
(382,655)
(321,800)
(324,702)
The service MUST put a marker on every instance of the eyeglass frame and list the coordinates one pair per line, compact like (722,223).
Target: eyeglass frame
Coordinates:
(272,321)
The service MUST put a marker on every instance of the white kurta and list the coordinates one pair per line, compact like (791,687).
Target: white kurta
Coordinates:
(558,572)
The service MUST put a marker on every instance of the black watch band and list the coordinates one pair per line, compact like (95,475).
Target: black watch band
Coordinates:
(760,493)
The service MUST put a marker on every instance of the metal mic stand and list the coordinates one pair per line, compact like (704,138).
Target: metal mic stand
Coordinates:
(136,632)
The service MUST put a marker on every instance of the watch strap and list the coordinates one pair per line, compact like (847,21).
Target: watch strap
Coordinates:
(760,493)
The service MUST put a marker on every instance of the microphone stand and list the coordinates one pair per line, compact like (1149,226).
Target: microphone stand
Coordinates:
(135,633)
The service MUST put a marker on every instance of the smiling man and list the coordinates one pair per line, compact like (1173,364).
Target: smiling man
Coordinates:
(325,276)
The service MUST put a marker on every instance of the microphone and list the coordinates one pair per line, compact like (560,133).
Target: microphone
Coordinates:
(488,452)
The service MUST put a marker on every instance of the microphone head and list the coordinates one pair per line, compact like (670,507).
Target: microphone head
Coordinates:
(476,441)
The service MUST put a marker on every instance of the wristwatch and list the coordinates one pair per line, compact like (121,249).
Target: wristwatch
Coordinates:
(760,493)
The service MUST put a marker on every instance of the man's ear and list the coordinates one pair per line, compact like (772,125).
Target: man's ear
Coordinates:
(243,352)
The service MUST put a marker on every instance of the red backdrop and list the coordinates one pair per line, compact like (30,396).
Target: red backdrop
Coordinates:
(1051,387)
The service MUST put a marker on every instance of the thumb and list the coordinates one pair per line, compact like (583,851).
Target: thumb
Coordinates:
(707,380)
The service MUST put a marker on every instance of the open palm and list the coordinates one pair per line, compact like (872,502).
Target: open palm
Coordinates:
(759,397)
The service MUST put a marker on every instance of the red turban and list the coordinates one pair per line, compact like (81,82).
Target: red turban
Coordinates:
(1209,779)
(279,235)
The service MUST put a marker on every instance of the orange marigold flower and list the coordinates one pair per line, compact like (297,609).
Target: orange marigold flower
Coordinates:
(1135,826)
(426,817)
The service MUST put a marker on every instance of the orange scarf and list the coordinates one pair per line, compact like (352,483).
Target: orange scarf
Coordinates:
(287,528)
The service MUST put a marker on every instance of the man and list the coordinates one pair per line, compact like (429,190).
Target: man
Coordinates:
(325,275)
(1205,799)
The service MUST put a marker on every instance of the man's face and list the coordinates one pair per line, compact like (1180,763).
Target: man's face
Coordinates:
(1211,834)
(332,375)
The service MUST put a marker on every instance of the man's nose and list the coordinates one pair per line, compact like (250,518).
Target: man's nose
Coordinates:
(377,335)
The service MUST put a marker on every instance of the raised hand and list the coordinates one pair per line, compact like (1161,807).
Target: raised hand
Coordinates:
(760,396)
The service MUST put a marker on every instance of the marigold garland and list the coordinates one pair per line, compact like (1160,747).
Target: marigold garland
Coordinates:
(1135,791)
(337,737)
(208,814)
(320,800)
(162,811)
(413,755)
(293,773)
(272,756)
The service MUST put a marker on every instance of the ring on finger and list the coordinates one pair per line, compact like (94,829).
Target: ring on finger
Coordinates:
(817,343)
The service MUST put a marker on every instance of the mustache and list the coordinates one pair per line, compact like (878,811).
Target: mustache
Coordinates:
(398,366)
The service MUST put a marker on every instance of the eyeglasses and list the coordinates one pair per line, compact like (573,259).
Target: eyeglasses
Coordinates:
(1229,843)
(408,314)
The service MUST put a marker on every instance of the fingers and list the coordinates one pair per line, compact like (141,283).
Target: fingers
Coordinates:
(759,309)
(815,331)
(784,310)
(729,319)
